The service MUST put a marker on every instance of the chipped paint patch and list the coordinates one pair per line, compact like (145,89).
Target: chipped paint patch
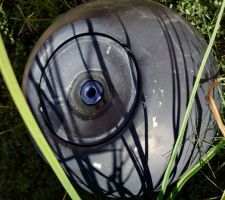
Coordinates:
(159,104)
(153,144)
(154,122)
(108,50)
(162,92)
(97,165)
(153,91)
(155,81)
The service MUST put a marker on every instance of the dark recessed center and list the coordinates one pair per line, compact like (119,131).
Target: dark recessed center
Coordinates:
(91,92)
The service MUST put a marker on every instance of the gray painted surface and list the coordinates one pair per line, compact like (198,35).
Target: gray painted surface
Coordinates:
(164,52)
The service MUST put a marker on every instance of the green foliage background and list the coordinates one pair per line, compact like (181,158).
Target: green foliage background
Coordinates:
(23,174)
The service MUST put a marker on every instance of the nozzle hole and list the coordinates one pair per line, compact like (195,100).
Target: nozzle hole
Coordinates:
(91,92)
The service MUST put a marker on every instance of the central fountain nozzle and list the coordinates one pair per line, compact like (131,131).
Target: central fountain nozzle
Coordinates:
(91,92)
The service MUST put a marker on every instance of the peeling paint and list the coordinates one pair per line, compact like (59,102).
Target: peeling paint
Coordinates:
(108,50)
(159,104)
(162,92)
(154,144)
(97,165)
(154,122)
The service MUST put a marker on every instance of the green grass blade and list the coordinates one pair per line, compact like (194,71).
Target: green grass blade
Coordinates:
(186,176)
(6,131)
(6,107)
(11,129)
(223,197)
(20,102)
(189,107)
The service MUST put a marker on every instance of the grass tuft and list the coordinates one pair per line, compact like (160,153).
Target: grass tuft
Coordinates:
(29,120)
(189,107)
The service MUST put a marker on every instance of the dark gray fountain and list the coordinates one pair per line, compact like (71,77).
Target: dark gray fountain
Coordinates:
(108,84)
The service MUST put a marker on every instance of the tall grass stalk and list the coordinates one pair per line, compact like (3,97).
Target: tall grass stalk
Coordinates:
(11,129)
(223,197)
(189,107)
(20,102)
(187,175)
(6,107)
